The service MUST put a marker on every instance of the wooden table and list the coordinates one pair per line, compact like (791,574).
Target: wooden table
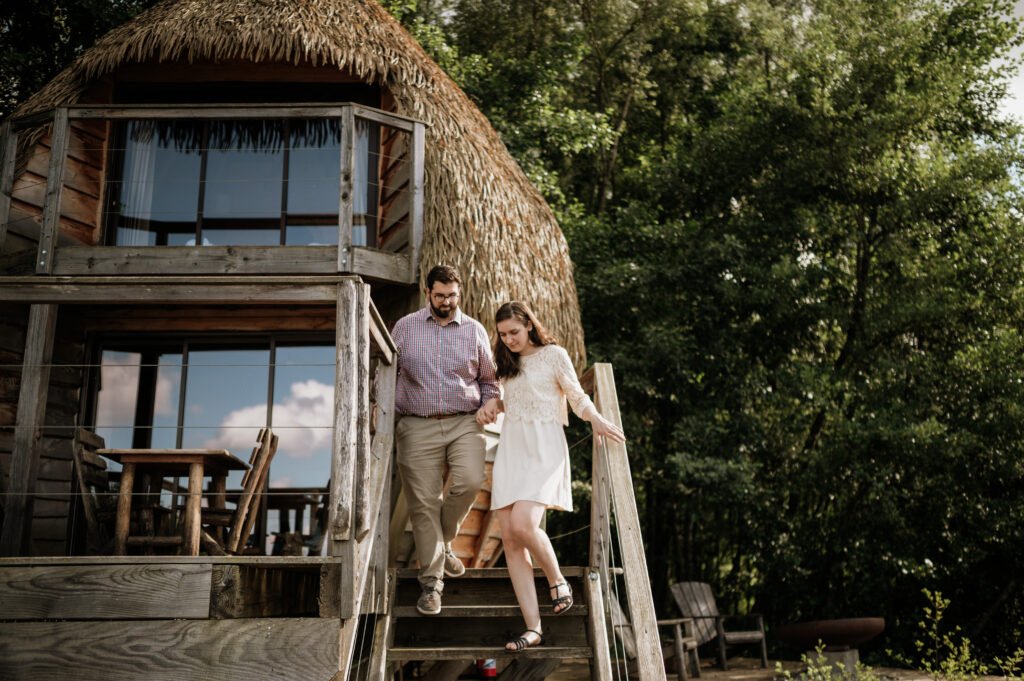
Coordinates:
(195,463)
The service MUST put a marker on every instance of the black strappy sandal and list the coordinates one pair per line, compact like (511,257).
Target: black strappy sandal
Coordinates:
(561,604)
(522,643)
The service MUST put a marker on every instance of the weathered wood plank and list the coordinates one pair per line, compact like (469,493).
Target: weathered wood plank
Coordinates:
(129,260)
(418,150)
(597,629)
(54,188)
(366,498)
(105,592)
(383,634)
(8,155)
(345,405)
(30,418)
(133,290)
(496,652)
(346,184)
(203,111)
(380,265)
(213,650)
(650,663)
(313,563)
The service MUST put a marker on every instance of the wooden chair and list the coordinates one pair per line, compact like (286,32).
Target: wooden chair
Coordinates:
(243,517)
(99,504)
(682,644)
(696,601)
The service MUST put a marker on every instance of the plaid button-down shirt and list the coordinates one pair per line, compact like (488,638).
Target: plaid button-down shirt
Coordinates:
(442,369)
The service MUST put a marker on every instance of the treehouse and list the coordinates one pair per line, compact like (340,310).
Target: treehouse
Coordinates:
(208,223)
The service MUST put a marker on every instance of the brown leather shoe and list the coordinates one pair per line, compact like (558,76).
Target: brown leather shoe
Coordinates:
(429,602)
(453,567)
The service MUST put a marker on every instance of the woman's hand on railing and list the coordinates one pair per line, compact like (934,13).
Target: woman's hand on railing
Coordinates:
(605,428)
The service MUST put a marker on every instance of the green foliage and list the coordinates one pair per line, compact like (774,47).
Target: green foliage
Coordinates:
(819,668)
(946,654)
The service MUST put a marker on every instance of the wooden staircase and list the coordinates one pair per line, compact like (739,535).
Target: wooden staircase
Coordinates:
(479,615)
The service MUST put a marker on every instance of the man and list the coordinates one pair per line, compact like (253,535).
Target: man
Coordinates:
(445,375)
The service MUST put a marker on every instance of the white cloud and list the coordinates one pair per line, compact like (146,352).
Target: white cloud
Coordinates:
(302,421)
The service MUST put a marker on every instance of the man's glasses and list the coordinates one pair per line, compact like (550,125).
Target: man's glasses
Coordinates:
(441,299)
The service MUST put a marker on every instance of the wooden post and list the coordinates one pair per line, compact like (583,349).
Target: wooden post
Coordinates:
(363,493)
(32,394)
(346,188)
(416,205)
(601,663)
(124,510)
(650,663)
(54,186)
(8,157)
(345,407)
(193,506)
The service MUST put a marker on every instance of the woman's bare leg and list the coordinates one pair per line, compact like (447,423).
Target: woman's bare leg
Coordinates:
(520,570)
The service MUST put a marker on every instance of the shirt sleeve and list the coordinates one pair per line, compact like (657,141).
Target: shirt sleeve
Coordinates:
(488,376)
(565,373)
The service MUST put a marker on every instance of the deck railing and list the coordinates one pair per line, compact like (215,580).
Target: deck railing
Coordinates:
(61,179)
(616,544)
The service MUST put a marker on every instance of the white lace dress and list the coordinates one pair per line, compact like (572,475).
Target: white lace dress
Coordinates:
(532,462)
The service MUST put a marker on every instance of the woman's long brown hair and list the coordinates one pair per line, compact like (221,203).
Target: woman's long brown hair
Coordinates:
(508,361)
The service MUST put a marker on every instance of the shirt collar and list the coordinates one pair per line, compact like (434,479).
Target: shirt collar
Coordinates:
(427,316)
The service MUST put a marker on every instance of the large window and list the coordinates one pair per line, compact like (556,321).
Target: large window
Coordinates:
(238,182)
(199,393)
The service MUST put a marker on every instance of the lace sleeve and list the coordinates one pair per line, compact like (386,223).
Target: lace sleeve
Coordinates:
(566,376)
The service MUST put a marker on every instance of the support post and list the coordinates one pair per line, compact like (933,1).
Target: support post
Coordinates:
(54,187)
(8,157)
(364,494)
(32,393)
(345,407)
(346,188)
(416,205)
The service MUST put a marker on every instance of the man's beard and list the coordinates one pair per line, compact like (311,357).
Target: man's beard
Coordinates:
(442,314)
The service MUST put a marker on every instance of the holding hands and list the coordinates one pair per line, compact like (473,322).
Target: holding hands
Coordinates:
(489,412)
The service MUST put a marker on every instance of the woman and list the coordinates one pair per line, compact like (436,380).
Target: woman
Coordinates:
(531,469)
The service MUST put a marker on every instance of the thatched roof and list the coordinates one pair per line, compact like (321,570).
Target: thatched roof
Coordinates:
(480,211)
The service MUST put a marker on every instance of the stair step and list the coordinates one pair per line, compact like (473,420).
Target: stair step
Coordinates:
(497,591)
(492,573)
(478,652)
(578,610)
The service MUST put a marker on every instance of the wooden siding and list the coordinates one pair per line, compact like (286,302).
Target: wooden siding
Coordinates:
(52,501)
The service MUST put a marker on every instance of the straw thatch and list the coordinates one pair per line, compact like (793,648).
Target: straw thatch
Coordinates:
(480,211)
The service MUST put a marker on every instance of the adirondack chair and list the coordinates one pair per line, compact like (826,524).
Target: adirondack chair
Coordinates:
(695,600)
(683,643)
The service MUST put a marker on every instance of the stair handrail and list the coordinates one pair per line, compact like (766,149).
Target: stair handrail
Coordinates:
(612,480)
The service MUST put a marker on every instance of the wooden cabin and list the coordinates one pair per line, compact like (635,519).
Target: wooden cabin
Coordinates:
(208,223)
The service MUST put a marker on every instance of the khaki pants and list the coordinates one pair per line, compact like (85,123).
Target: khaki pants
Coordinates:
(423,447)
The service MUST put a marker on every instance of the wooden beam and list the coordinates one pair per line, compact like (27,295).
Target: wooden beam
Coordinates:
(416,209)
(54,186)
(105,592)
(597,629)
(366,498)
(151,290)
(650,664)
(345,406)
(381,336)
(267,562)
(32,392)
(346,187)
(377,265)
(383,634)
(195,260)
(204,111)
(391,119)
(8,155)
(260,649)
